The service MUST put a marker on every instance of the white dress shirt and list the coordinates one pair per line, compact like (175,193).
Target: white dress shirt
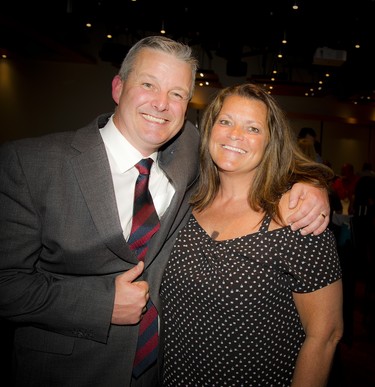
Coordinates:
(122,158)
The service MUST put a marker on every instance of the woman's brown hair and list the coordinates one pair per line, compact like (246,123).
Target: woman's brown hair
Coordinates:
(283,163)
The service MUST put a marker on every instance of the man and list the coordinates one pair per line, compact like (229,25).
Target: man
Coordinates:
(68,277)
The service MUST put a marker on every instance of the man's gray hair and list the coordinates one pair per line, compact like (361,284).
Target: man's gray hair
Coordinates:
(179,50)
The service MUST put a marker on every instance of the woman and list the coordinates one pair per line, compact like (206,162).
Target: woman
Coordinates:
(248,301)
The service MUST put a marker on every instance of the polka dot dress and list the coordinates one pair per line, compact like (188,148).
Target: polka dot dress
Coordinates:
(229,315)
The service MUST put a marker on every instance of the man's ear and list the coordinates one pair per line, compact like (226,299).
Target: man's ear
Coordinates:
(117,84)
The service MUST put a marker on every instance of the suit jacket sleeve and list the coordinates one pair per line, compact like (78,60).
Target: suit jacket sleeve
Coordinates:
(54,267)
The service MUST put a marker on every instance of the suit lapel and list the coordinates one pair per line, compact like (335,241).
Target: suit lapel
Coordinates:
(94,177)
(181,175)
(93,174)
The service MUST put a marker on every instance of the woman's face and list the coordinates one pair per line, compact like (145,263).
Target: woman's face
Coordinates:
(239,135)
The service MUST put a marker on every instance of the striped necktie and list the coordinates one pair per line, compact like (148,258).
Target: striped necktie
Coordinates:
(145,224)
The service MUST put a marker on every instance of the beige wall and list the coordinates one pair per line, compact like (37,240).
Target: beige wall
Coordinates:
(43,97)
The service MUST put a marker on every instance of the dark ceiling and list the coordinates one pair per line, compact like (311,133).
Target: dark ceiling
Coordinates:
(234,30)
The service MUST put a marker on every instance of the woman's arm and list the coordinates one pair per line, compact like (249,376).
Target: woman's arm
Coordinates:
(321,316)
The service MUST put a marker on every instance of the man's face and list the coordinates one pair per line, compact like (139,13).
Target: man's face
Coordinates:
(152,102)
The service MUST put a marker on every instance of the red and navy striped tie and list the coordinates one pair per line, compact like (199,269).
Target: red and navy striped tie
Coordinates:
(145,224)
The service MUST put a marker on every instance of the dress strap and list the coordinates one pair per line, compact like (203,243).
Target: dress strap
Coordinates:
(265,224)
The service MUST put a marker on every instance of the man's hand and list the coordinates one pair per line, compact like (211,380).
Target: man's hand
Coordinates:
(312,216)
(130,297)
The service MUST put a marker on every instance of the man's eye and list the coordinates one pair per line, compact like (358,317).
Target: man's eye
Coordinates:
(147,85)
(178,96)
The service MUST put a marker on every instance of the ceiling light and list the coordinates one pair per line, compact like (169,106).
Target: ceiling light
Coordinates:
(162,31)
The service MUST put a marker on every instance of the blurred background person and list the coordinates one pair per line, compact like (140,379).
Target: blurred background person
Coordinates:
(308,135)
(345,186)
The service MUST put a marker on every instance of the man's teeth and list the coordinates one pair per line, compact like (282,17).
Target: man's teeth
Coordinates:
(234,149)
(154,119)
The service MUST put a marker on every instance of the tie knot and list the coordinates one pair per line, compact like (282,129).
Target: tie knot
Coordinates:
(144,166)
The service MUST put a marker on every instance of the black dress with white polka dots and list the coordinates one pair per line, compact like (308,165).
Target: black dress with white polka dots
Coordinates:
(229,314)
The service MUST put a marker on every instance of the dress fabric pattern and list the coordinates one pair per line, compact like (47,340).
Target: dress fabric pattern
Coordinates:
(229,314)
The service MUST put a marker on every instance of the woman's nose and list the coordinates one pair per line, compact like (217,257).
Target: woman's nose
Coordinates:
(235,133)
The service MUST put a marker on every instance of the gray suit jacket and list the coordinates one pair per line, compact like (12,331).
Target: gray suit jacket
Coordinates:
(61,246)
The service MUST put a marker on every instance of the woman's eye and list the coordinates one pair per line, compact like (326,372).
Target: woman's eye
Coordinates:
(224,122)
(252,129)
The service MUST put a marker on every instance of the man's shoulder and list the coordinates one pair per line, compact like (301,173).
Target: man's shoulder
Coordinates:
(191,129)
(55,141)
(190,134)
(181,153)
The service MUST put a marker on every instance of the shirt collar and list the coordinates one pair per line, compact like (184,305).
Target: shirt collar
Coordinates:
(124,154)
